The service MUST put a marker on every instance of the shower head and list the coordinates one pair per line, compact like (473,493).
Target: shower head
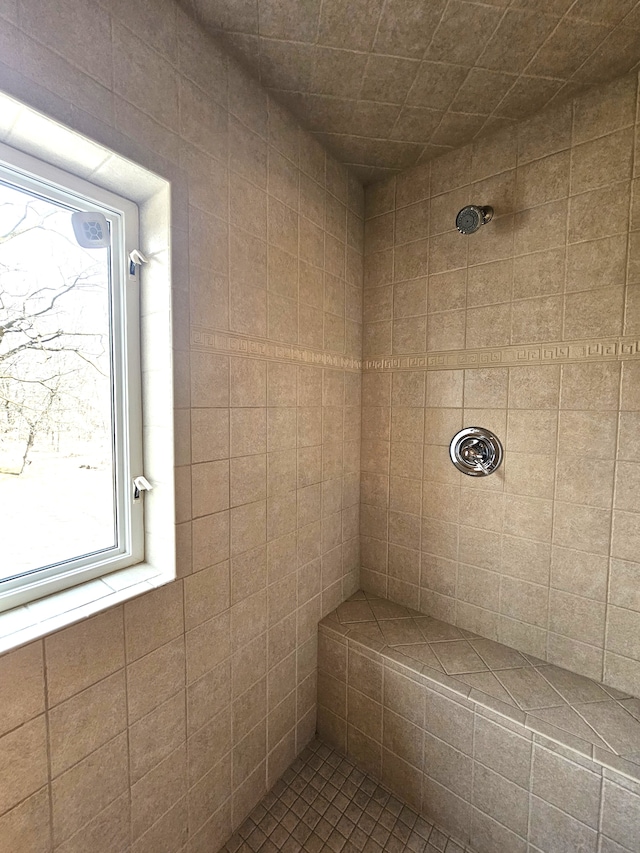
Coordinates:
(471,217)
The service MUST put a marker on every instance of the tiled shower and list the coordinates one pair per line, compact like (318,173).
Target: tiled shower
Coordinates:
(515,331)
(329,340)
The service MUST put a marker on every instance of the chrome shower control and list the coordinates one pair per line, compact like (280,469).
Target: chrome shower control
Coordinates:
(476,451)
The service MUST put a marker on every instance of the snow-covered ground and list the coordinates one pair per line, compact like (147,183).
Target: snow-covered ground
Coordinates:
(54,511)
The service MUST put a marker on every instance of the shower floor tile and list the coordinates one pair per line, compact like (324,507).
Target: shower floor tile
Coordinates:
(324,803)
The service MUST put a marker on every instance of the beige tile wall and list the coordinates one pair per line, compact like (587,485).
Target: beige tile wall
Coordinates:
(155,726)
(543,555)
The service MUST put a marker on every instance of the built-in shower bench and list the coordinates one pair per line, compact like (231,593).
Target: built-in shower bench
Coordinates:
(507,752)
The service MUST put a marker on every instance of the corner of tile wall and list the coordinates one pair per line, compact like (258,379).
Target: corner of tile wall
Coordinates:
(530,328)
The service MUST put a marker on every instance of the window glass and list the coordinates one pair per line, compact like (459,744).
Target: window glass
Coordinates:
(70,410)
(57,472)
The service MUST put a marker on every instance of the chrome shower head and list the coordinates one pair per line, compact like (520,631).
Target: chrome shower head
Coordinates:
(471,217)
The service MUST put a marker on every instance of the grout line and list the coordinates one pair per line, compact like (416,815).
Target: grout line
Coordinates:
(49,782)
(621,376)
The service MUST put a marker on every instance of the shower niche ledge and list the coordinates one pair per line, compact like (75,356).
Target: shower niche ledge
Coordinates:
(433,710)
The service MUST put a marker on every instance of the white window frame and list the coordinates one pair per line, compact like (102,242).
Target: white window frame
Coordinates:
(61,187)
(161,206)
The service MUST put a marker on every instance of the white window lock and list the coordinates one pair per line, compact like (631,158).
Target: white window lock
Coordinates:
(140,484)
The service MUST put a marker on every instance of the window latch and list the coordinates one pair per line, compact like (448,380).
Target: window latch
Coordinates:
(136,258)
(140,484)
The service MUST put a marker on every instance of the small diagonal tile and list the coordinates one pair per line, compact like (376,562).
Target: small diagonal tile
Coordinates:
(311,818)
(279,836)
(387,819)
(529,688)
(298,784)
(408,817)
(256,839)
(394,845)
(614,724)
(345,826)
(416,843)
(341,801)
(358,838)
(290,820)
(572,687)
(394,805)
(487,683)
(374,809)
(336,841)
(354,814)
(438,840)
(423,828)
(333,815)
(247,828)
(289,797)
(369,786)
(498,656)
(258,813)
(368,632)
(361,798)
(399,632)
(313,844)
(458,656)
(435,630)
(354,611)
(381,796)
(421,652)
(401,831)
(300,807)
(366,823)
(384,609)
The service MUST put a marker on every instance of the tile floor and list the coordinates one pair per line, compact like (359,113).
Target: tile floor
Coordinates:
(324,803)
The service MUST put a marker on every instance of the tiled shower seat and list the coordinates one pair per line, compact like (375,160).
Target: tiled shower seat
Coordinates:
(503,750)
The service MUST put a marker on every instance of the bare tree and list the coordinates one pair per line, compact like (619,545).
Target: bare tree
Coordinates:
(49,352)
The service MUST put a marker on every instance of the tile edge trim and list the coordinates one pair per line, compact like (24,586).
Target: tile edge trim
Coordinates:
(610,349)
(589,350)
(235,343)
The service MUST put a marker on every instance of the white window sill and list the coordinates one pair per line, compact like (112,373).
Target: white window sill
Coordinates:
(32,621)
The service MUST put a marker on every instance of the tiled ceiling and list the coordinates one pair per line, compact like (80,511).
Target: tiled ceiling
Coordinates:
(385,84)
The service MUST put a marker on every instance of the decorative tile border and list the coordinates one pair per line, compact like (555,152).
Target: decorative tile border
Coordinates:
(576,351)
(232,343)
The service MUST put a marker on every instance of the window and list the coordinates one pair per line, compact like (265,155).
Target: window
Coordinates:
(70,382)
